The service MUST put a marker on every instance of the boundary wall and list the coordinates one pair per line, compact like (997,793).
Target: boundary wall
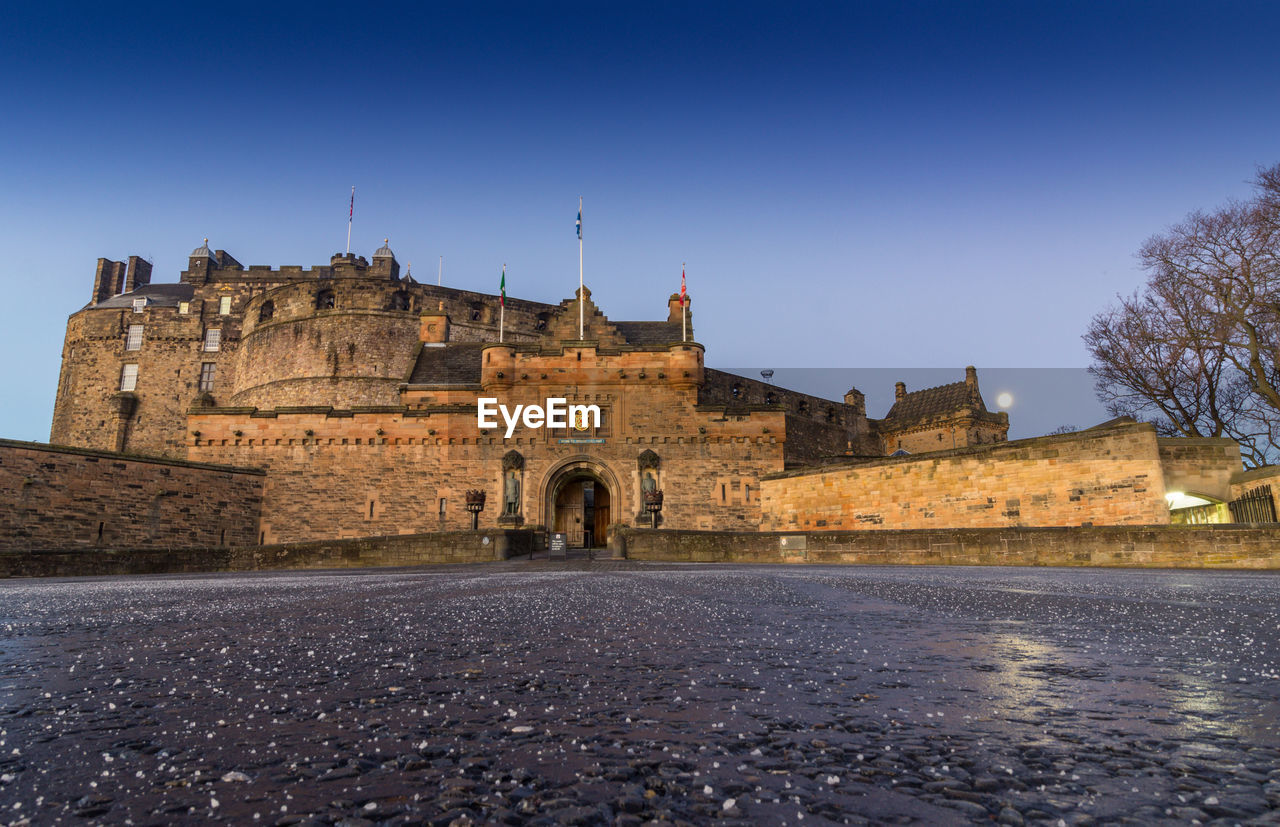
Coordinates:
(369,552)
(1193,547)
(55,497)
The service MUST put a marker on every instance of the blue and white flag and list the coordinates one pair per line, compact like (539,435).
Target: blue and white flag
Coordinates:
(579,223)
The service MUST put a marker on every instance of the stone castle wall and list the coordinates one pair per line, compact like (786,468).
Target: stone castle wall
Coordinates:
(943,433)
(293,356)
(1194,547)
(87,411)
(354,474)
(1108,476)
(66,498)
(1200,466)
(370,552)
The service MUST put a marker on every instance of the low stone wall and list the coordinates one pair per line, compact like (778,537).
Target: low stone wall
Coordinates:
(367,552)
(53,497)
(1225,547)
(398,550)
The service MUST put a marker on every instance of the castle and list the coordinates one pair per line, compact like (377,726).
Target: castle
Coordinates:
(251,405)
(356,389)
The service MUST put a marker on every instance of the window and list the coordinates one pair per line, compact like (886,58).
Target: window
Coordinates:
(400,300)
(326,300)
(213,339)
(184,308)
(267,311)
(206,377)
(139,305)
(128,377)
(443,501)
(224,306)
(134,340)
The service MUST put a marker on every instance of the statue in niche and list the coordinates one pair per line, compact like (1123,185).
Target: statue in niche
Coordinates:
(511,494)
(648,483)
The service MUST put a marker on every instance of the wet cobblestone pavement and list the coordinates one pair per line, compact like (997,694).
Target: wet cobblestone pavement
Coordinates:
(623,693)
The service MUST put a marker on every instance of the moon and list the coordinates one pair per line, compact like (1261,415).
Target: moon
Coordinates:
(1005,399)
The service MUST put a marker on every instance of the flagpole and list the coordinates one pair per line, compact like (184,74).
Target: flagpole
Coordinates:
(581,293)
(350,215)
(440,274)
(684,309)
(502,304)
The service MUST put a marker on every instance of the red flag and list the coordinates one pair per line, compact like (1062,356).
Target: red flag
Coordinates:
(683,292)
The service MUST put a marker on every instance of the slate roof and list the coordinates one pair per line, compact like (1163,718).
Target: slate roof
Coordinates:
(931,402)
(162,295)
(453,364)
(649,333)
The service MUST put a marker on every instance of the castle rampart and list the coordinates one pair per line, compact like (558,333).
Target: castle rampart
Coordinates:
(63,498)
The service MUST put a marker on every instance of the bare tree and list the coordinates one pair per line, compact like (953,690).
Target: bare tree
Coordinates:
(1197,351)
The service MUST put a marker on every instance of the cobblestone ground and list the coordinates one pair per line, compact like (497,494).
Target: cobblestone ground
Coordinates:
(628,693)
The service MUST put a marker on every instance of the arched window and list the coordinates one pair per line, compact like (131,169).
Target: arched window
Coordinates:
(400,300)
(736,390)
(804,408)
(541,323)
(326,300)
(771,398)
(267,311)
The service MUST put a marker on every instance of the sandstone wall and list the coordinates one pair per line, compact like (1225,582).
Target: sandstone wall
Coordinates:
(169,365)
(1103,477)
(344,474)
(1219,547)
(1200,466)
(66,498)
(369,552)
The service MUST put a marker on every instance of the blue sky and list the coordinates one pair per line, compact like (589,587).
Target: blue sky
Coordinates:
(896,185)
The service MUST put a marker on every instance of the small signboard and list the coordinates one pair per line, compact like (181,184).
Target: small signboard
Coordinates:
(582,440)
(559,546)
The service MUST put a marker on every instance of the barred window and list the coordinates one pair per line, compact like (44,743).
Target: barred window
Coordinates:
(224,306)
(139,305)
(134,340)
(206,376)
(184,308)
(213,339)
(128,377)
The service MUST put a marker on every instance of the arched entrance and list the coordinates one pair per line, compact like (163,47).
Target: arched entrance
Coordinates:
(579,497)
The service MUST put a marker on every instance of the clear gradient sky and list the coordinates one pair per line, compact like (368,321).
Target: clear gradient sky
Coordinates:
(853,185)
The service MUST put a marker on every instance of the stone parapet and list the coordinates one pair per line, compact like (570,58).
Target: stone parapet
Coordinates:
(366,552)
(1191,547)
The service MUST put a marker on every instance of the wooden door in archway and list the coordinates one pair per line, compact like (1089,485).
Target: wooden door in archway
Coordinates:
(570,512)
(600,517)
